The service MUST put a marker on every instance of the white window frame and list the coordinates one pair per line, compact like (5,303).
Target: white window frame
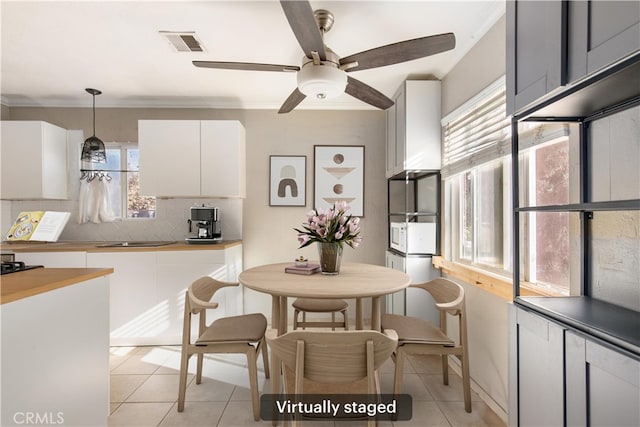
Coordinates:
(124,196)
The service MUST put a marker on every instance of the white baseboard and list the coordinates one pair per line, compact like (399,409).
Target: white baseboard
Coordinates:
(454,364)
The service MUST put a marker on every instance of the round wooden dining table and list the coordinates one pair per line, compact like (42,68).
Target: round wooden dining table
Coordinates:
(355,281)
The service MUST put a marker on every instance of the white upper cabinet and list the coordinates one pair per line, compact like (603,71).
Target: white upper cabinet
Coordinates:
(222,159)
(34,161)
(413,128)
(192,158)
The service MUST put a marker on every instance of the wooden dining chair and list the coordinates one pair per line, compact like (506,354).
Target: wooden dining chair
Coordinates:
(320,305)
(341,362)
(418,336)
(243,334)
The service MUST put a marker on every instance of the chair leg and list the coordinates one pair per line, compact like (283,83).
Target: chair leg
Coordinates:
(265,357)
(445,369)
(466,383)
(252,364)
(346,320)
(200,358)
(295,318)
(333,319)
(182,388)
(397,379)
(304,319)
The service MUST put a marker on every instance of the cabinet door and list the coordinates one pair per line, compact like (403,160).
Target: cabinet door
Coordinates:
(54,259)
(135,316)
(222,158)
(540,371)
(603,385)
(401,130)
(175,271)
(34,161)
(536,50)
(422,125)
(169,157)
(419,303)
(394,303)
(600,33)
(391,141)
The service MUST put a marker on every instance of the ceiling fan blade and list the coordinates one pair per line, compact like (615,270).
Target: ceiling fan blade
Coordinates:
(292,101)
(400,52)
(245,66)
(366,93)
(304,26)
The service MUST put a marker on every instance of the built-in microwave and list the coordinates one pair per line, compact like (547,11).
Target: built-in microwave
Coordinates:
(413,237)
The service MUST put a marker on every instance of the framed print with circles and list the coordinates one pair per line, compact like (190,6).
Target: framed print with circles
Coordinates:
(339,176)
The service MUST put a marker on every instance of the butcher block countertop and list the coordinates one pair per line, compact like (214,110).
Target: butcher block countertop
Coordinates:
(24,284)
(99,247)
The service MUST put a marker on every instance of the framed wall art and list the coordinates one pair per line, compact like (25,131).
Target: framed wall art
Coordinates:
(339,176)
(287,180)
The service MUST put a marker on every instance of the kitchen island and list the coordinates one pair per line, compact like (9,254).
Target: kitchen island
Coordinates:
(55,346)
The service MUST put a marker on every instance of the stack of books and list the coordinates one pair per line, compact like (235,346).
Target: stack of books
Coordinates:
(308,269)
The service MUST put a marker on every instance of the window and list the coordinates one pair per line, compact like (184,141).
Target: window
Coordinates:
(477,199)
(126,200)
(477,184)
(477,177)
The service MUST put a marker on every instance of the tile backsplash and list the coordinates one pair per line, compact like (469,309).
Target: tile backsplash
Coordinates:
(170,222)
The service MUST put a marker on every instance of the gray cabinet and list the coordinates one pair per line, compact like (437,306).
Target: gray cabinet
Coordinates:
(413,302)
(539,366)
(600,33)
(603,385)
(535,50)
(561,376)
(555,43)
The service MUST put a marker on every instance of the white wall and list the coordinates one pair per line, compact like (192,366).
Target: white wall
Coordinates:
(487,313)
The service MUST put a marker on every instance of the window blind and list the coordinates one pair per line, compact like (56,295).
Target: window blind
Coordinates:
(477,132)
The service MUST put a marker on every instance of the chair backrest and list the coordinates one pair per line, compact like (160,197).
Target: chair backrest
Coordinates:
(449,297)
(201,291)
(333,357)
(197,300)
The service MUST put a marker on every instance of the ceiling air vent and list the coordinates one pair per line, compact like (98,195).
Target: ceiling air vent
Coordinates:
(186,41)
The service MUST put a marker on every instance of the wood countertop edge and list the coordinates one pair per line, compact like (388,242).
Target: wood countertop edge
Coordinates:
(93,247)
(29,283)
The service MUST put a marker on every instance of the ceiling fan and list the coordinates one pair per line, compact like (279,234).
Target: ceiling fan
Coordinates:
(323,74)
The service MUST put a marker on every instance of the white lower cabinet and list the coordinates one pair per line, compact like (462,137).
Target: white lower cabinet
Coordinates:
(54,259)
(562,377)
(147,291)
(55,357)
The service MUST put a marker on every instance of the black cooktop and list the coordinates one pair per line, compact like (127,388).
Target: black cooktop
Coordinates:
(16,266)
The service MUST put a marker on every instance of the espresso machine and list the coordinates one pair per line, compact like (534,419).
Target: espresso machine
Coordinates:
(206,221)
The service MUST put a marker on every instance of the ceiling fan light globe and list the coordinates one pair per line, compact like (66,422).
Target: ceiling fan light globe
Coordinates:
(321,81)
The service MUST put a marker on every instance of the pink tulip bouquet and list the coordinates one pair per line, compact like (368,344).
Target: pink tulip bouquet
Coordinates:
(331,226)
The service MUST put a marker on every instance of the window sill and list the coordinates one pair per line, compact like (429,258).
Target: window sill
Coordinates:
(482,279)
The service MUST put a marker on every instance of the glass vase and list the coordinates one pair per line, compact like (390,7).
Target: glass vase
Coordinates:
(330,255)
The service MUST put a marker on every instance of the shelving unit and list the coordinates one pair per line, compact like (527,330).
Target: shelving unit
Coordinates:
(414,196)
(575,360)
(599,96)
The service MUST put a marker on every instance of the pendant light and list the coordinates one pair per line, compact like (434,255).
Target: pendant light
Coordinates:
(93,148)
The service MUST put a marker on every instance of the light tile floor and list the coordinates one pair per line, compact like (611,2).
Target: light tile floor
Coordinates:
(144,391)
